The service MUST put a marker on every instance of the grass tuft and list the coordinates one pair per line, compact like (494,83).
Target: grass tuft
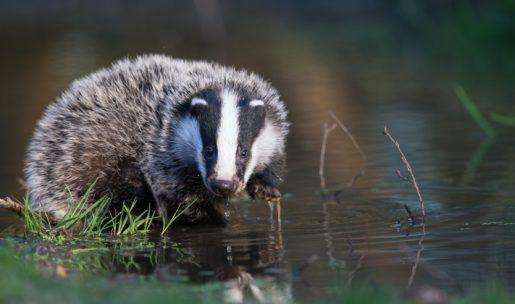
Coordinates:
(95,219)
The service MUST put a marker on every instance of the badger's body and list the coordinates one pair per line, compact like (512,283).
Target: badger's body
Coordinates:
(163,131)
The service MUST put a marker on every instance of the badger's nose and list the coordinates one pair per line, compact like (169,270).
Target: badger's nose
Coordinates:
(222,187)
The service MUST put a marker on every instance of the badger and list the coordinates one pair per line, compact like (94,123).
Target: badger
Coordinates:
(163,132)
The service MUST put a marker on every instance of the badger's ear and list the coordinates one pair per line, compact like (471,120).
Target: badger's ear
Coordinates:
(256,103)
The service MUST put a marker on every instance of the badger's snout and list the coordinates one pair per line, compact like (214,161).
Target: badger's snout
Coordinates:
(222,187)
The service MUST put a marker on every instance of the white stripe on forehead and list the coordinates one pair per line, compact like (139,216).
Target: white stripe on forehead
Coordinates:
(227,137)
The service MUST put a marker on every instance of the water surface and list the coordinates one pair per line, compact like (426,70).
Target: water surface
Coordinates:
(372,65)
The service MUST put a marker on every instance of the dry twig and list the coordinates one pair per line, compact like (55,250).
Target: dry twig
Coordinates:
(18,208)
(401,176)
(353,272)
(409,169)
(327,131)
(349,134)
(353,180)
(408,210)
(11,205)
(417,259)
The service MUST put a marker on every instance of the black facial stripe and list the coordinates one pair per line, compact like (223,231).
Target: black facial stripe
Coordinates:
(208,117)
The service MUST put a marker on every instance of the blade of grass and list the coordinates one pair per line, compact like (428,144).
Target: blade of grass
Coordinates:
(95,224)
(150,219)
(175,216)
(503,119)
(73,212)
(473,110)
(31,218)
(139,221)
(82,214)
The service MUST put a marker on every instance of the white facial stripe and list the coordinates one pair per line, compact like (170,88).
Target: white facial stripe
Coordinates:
(198,101)
(266,145)
(227,137)
(256,103)
(188,143)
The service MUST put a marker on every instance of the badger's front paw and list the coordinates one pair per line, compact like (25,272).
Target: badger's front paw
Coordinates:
(263,192)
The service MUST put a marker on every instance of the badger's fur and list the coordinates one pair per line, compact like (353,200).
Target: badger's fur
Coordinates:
(163,131)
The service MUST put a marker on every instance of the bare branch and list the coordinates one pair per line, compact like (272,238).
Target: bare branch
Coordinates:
(409,169)
(327,131)
(349,134)
(408,210)
(359,174)
(417,259)
(401,176)
(353,272)
(12,205)
(19,208)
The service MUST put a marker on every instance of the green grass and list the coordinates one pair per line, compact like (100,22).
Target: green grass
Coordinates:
(478,117)
(366,293)
(491,293)
(85,219)
(473,111)
(89,220)
(178,212)
(503,119)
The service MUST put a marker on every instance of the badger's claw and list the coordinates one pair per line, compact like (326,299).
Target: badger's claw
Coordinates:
(264,192)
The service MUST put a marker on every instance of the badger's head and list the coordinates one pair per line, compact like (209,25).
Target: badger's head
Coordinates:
(228,135)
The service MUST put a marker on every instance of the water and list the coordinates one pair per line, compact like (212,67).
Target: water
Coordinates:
(372,65)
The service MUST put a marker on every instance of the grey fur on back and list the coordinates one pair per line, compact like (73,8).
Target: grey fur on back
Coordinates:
(112,127)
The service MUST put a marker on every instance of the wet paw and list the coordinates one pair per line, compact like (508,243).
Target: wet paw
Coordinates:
(264,192)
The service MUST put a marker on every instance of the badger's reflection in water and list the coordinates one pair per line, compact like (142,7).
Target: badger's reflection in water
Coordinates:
(249,262)
(246,257)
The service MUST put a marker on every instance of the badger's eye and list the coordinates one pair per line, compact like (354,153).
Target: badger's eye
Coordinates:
(209,150)
(244,153)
